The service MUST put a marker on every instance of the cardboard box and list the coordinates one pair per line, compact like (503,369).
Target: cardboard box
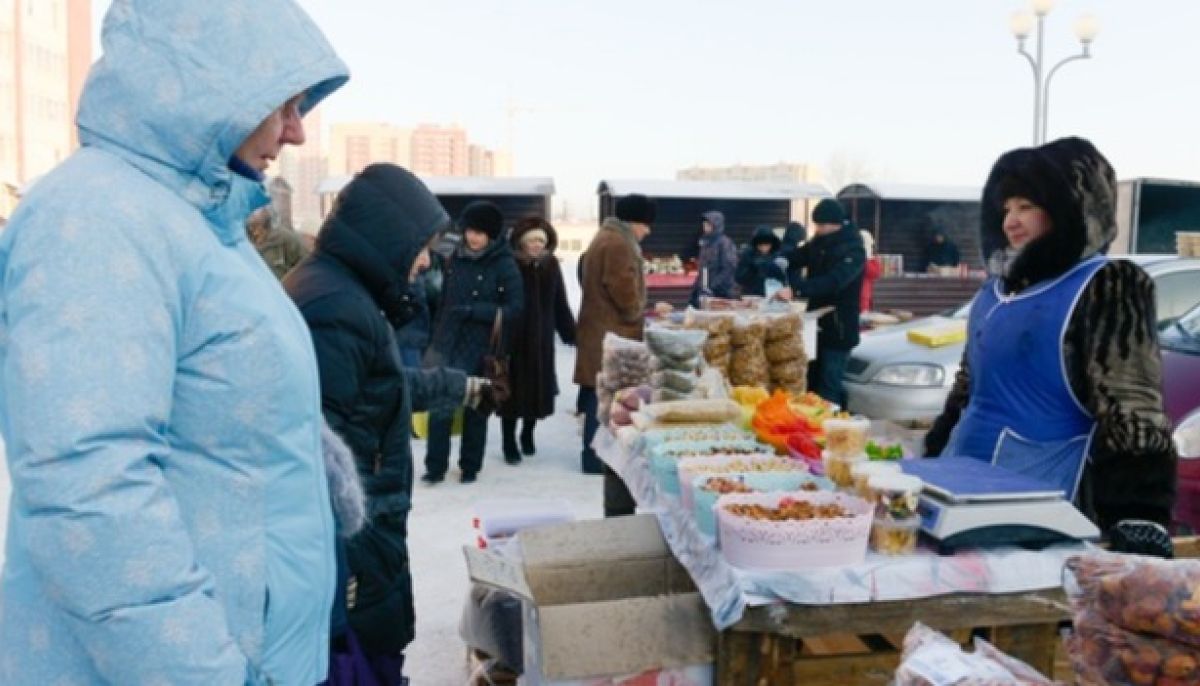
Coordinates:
(601,598)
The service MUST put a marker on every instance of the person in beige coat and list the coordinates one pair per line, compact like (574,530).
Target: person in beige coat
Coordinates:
(614,300)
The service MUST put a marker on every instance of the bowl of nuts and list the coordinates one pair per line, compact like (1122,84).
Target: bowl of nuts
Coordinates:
(797,530)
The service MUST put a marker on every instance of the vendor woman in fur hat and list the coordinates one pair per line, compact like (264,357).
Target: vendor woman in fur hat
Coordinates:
(1061,377)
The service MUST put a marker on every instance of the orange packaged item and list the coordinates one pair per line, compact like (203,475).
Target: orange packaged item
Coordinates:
(1103,653)
(1141,594)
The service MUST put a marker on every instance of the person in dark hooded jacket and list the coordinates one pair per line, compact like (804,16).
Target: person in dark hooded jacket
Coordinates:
(941,251)
(481,284)
(834,261)
(793,234)
(760,261)
(352,291)
(717,260)
(1068,387)
(546,312)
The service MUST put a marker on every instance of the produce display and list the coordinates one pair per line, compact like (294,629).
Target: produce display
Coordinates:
(624,364)
(624,403)
(861,473)
(886,451)
(675,348)
(788,510)
(1104,653)
(704,448)
(722,485)
(693,411)
(680,382)
(895,536)
(748,364)
(751,332)
(785,350)
(1140,594)
(726,432)
(790,531)
(708,488)
(895,495)
(1137,620)
(783,327)
(840,468)
(846,436)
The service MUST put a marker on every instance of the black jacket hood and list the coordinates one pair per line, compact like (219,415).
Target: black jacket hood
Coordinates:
(1074,184)
(378,226)
(765,234)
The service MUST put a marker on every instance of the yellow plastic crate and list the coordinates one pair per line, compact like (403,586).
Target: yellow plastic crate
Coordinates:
(938,336)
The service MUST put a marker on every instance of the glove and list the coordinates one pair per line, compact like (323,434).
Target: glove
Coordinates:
(482,396)
(1141,537)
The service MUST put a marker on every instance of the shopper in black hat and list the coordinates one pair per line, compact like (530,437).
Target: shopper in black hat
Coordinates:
(481,280)
(614,301)
(828,271)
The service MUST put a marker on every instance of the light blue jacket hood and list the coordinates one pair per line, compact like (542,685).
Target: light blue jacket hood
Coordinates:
(159,403)
(180,85)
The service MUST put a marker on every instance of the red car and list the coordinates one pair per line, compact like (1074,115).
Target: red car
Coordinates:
(1180,343)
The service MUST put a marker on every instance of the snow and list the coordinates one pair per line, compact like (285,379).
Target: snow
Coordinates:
(440,523)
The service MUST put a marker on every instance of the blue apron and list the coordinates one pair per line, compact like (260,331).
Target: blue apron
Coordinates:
(1022,413)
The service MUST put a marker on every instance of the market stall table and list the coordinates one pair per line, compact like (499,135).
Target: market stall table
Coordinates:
(675,289)
(844,625)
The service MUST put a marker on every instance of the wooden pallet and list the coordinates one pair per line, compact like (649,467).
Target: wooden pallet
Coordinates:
(845,645)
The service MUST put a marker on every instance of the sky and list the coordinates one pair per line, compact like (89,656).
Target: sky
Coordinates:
(924,91)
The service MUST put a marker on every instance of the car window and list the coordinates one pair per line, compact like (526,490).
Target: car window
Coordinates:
(1190,324)
(1175,294)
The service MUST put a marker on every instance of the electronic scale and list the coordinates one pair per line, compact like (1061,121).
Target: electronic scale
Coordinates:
(969,503)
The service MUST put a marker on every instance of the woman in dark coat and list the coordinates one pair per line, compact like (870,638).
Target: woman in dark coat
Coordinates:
(546,312)
(352,290)
(481,281)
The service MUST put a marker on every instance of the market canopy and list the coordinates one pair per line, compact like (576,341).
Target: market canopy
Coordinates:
(912,191)
(713,190)
(462,185)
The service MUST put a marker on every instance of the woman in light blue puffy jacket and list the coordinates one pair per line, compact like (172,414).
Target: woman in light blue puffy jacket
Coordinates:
(170,518)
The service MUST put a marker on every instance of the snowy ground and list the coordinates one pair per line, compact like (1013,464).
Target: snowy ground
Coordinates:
(440,523)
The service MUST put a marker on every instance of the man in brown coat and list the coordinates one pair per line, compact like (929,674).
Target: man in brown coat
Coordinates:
(614,299)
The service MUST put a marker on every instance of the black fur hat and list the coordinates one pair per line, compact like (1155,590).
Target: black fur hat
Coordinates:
(1074,184)
(484,216)
(636,208)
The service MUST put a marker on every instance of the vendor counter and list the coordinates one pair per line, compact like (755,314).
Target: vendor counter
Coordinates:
(922,294)
(675,289)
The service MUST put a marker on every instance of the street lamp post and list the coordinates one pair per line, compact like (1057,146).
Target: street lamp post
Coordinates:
(1022,25)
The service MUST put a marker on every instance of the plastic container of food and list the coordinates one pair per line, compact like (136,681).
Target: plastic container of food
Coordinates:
(706,492)
(846,436)
(719,465)
(839,467)
(861,472)
(895,495)
(750,542)
(895,536)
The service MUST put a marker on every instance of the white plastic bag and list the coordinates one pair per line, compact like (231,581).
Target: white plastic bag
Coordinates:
(932,659)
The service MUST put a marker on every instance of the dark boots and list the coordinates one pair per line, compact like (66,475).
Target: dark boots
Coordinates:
(527,436)
(512,454)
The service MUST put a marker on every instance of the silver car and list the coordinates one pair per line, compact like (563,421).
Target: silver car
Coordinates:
(889,377)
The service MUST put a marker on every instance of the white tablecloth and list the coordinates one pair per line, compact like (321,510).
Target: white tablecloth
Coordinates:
(728,590)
